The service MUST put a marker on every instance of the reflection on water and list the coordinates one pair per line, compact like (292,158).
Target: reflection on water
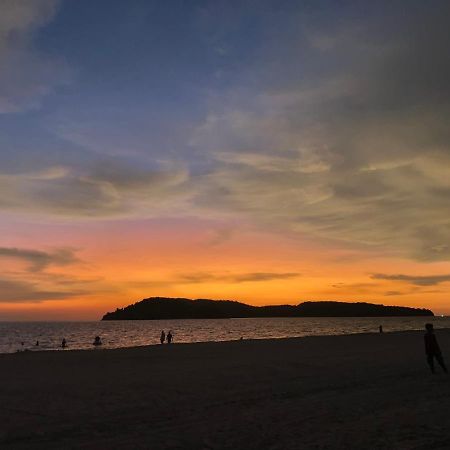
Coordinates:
(80,335)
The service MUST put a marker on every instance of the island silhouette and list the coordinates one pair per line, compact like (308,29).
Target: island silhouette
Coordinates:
(156,308)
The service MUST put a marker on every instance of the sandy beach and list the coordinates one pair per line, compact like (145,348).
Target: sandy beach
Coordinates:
(370,391)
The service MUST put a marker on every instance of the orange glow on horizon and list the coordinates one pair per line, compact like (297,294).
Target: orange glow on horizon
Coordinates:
(126,262)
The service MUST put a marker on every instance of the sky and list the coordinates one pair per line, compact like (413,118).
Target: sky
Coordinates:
(264,151)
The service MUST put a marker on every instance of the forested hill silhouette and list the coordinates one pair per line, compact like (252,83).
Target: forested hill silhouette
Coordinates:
(155,308)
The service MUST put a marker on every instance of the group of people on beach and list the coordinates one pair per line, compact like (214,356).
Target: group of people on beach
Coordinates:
(96,343)
(432,349)
(163,337)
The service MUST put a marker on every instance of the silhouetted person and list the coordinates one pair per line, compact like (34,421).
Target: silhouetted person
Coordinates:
(97,341)
(169,337)
(162,337)
(63,343)
(37,343)
(380,328)
(432,349)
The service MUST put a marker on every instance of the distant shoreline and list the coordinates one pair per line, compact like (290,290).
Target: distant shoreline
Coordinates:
(439,316)
(256,317)
(155,308)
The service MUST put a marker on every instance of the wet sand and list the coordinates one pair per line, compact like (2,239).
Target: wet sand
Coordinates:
(370,391)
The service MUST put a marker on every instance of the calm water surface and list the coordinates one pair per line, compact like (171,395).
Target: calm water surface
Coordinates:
(114,334)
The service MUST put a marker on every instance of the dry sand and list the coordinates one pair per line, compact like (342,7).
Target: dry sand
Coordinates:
(366,391)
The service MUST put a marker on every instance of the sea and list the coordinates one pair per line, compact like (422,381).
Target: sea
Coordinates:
(23,336)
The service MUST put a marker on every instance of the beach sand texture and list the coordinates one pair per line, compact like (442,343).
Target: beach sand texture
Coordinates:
(371,391)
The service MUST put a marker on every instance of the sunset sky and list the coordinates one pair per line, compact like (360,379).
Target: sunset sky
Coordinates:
(263,151)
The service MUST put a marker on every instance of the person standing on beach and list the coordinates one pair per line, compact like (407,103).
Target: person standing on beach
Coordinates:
(432,349)
(162,337)
(169,337)
(64,343)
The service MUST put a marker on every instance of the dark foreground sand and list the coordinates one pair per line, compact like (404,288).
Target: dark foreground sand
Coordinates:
(347,392)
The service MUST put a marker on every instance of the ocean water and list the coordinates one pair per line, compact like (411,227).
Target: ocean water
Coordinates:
(115,334)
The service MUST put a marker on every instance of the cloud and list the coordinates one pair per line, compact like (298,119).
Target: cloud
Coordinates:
(205,277)
(333,129)
(25,75)
(219,235)
(353,285)
(33,283)
(344,136)
(23,17)
(107,189)
(39,260)
(393,293)
(263,276)
(19,291)
(426,280)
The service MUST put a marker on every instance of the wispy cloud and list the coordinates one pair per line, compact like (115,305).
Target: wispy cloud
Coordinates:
(220,235)
(343,136)
(204,277)
(105,189)
(424,280)
(353,285)
(39,260)
(25,75)
(357,152)
(19,291)
(33,283)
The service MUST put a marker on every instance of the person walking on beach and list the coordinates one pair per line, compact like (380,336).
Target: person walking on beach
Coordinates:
(162,337)
(169,337)
(64,343)
(97,341)
(432,349)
